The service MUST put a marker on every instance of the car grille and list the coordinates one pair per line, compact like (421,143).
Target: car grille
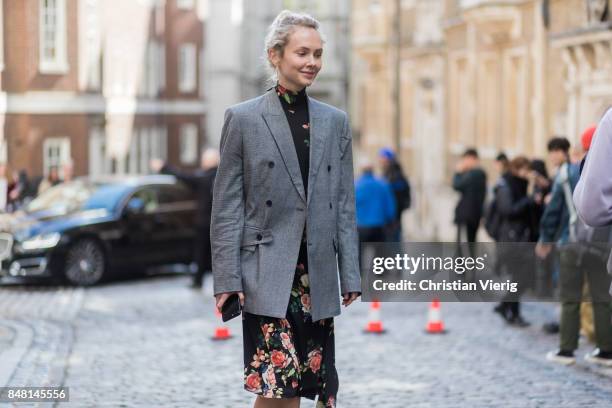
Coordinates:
(6,244)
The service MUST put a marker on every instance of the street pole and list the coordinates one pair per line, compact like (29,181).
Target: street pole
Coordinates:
(396,86)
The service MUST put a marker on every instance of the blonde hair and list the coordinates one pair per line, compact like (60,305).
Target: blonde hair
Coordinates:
(280,30)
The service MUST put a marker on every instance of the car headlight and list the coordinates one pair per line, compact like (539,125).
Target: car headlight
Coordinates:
(41,241)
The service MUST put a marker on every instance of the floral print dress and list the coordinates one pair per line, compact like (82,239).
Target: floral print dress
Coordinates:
(294,356)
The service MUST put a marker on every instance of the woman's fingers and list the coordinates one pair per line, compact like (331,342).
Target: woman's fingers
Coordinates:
(348,298)
(221,298)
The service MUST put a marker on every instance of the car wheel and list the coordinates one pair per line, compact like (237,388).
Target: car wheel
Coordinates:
(85,263)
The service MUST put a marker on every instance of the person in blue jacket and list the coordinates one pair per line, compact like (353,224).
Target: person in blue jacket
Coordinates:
(375,205)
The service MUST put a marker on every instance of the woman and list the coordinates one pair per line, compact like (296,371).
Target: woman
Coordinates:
(283,213)
(514,206)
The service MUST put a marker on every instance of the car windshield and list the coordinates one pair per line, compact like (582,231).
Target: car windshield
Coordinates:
(78,196)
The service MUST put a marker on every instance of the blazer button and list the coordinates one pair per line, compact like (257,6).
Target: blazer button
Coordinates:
(271,164)
(330,206)
(269,203)
(328,168)
(259,237)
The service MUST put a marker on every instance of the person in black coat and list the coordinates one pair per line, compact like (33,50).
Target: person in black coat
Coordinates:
(394,175)
(515,207)
(471,182)
(202,182)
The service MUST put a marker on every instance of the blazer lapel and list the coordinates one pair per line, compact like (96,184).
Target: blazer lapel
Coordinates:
(279,128)
(318,124)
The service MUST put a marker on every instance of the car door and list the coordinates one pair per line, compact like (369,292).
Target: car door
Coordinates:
(176,214)
(140,226)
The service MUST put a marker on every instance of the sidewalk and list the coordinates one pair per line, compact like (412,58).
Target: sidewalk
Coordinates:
(15,340)
(36,333)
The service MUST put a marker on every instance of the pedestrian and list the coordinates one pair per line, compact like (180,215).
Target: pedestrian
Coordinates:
(514,206)
(283,210)
(201,182)
(25,187)
(492,216)
(4,184)
(501,164)
(593,200)
(68,171)
(375,206)
(544,268)
(19,193)
(52,179)
(470,181)
(540,194)
(12,191)
(557,218)
(393,174)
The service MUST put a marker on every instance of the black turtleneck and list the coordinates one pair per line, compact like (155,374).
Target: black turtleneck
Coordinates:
(295,106)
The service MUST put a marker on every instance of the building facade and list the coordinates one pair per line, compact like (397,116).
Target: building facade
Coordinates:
(497,75)
(106,85)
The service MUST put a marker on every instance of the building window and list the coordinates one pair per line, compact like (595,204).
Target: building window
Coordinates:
(90,45)
(153,78)
(187,68)
(132,156)
(147,143)
(99,162)
(161,65)
(189,143)
(160,147)
(3,151)
(144,150)
(185,4)
(52,44)
(56,152)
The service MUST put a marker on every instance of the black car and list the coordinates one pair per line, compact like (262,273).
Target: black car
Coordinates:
(84,229)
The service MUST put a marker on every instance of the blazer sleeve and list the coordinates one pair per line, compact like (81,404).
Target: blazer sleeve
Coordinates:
(593,194)
(227,216)
(348,242)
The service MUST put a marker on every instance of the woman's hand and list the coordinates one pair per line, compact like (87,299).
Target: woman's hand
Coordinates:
(348,298)
(222,297)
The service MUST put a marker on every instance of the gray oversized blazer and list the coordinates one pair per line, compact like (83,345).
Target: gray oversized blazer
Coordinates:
(259,208)
(593,193)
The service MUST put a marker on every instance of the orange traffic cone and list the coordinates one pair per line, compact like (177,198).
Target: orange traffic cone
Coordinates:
(374,323)
(221,332)
(434,323)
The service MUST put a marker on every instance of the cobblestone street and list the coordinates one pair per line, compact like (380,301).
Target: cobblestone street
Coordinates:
(147,343)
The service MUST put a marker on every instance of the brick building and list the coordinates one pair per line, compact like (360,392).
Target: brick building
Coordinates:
(104,84)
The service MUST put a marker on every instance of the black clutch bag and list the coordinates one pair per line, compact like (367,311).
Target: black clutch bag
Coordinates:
(231,308)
